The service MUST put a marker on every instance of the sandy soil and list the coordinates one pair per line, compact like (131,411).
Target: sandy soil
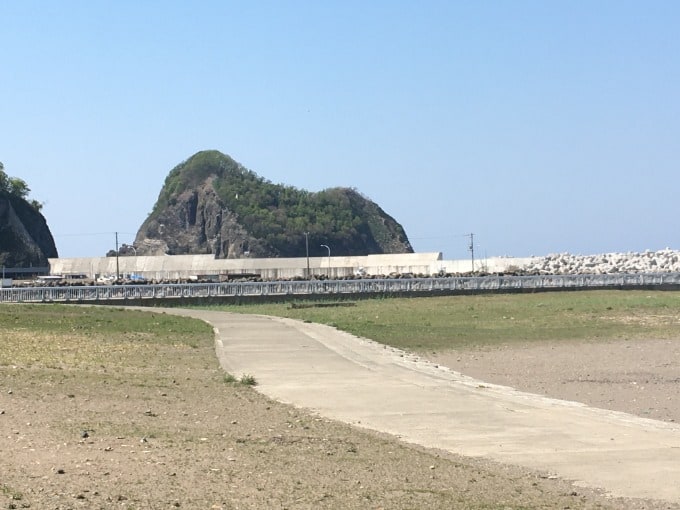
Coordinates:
(171,433)
(640,377)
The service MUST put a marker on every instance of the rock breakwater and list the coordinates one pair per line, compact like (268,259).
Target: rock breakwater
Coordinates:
(663,261)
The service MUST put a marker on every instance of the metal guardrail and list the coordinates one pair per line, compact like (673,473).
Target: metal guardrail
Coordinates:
(334,287)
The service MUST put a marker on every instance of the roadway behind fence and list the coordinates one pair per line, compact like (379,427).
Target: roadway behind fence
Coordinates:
(168,294)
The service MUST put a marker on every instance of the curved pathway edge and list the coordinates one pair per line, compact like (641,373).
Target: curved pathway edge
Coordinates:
(364,383)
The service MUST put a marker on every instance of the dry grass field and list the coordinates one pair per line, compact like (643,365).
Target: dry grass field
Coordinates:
(106,408)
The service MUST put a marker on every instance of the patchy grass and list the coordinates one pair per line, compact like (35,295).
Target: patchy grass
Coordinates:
(456,322)
(11,493)
(248,380)
(230,379)
(245,380)
(57,336)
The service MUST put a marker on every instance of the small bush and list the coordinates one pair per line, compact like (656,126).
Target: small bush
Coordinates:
(245,380)
(248,380)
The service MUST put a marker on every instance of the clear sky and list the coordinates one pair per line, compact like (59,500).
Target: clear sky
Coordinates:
(539,126)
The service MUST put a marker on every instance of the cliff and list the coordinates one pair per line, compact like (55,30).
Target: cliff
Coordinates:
(25,238)
(212,204)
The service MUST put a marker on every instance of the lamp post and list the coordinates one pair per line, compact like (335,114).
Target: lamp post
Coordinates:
(307,250)
(329,258)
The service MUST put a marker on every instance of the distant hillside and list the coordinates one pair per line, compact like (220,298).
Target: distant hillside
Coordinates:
(25,238)
(212,204)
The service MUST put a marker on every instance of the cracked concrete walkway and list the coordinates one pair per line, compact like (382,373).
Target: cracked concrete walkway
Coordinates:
(364,383)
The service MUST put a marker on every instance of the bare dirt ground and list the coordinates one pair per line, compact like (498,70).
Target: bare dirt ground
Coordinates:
(169,432)
(640,377)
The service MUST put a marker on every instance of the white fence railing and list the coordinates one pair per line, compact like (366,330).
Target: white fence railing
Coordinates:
(334,287)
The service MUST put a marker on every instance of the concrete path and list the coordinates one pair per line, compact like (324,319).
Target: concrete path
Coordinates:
(381,388)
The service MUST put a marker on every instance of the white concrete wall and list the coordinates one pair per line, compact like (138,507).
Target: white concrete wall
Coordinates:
(184,266)
(490,264)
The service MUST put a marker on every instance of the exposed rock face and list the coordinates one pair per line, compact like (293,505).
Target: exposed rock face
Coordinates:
(211,204)
(197,222)
(25,238)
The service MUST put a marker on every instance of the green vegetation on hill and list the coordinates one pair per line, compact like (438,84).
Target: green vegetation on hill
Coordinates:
(15,187)
(279,215)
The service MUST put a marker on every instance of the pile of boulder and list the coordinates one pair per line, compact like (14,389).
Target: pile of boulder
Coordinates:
(663,261)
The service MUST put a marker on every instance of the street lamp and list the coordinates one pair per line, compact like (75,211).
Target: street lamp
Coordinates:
(329,257)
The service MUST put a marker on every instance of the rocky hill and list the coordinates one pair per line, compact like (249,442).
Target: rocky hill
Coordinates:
(25,238)
(212,204)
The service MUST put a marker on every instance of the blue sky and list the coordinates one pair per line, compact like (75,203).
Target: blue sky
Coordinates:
(541,127)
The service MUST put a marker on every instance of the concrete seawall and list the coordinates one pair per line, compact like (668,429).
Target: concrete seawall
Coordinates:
(427,264)
(187,266)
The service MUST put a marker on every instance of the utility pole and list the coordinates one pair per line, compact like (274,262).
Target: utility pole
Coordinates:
(472,250)
(117,266)
(307,250)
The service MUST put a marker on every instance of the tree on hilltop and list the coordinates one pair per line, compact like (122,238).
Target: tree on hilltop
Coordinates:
(16,187)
